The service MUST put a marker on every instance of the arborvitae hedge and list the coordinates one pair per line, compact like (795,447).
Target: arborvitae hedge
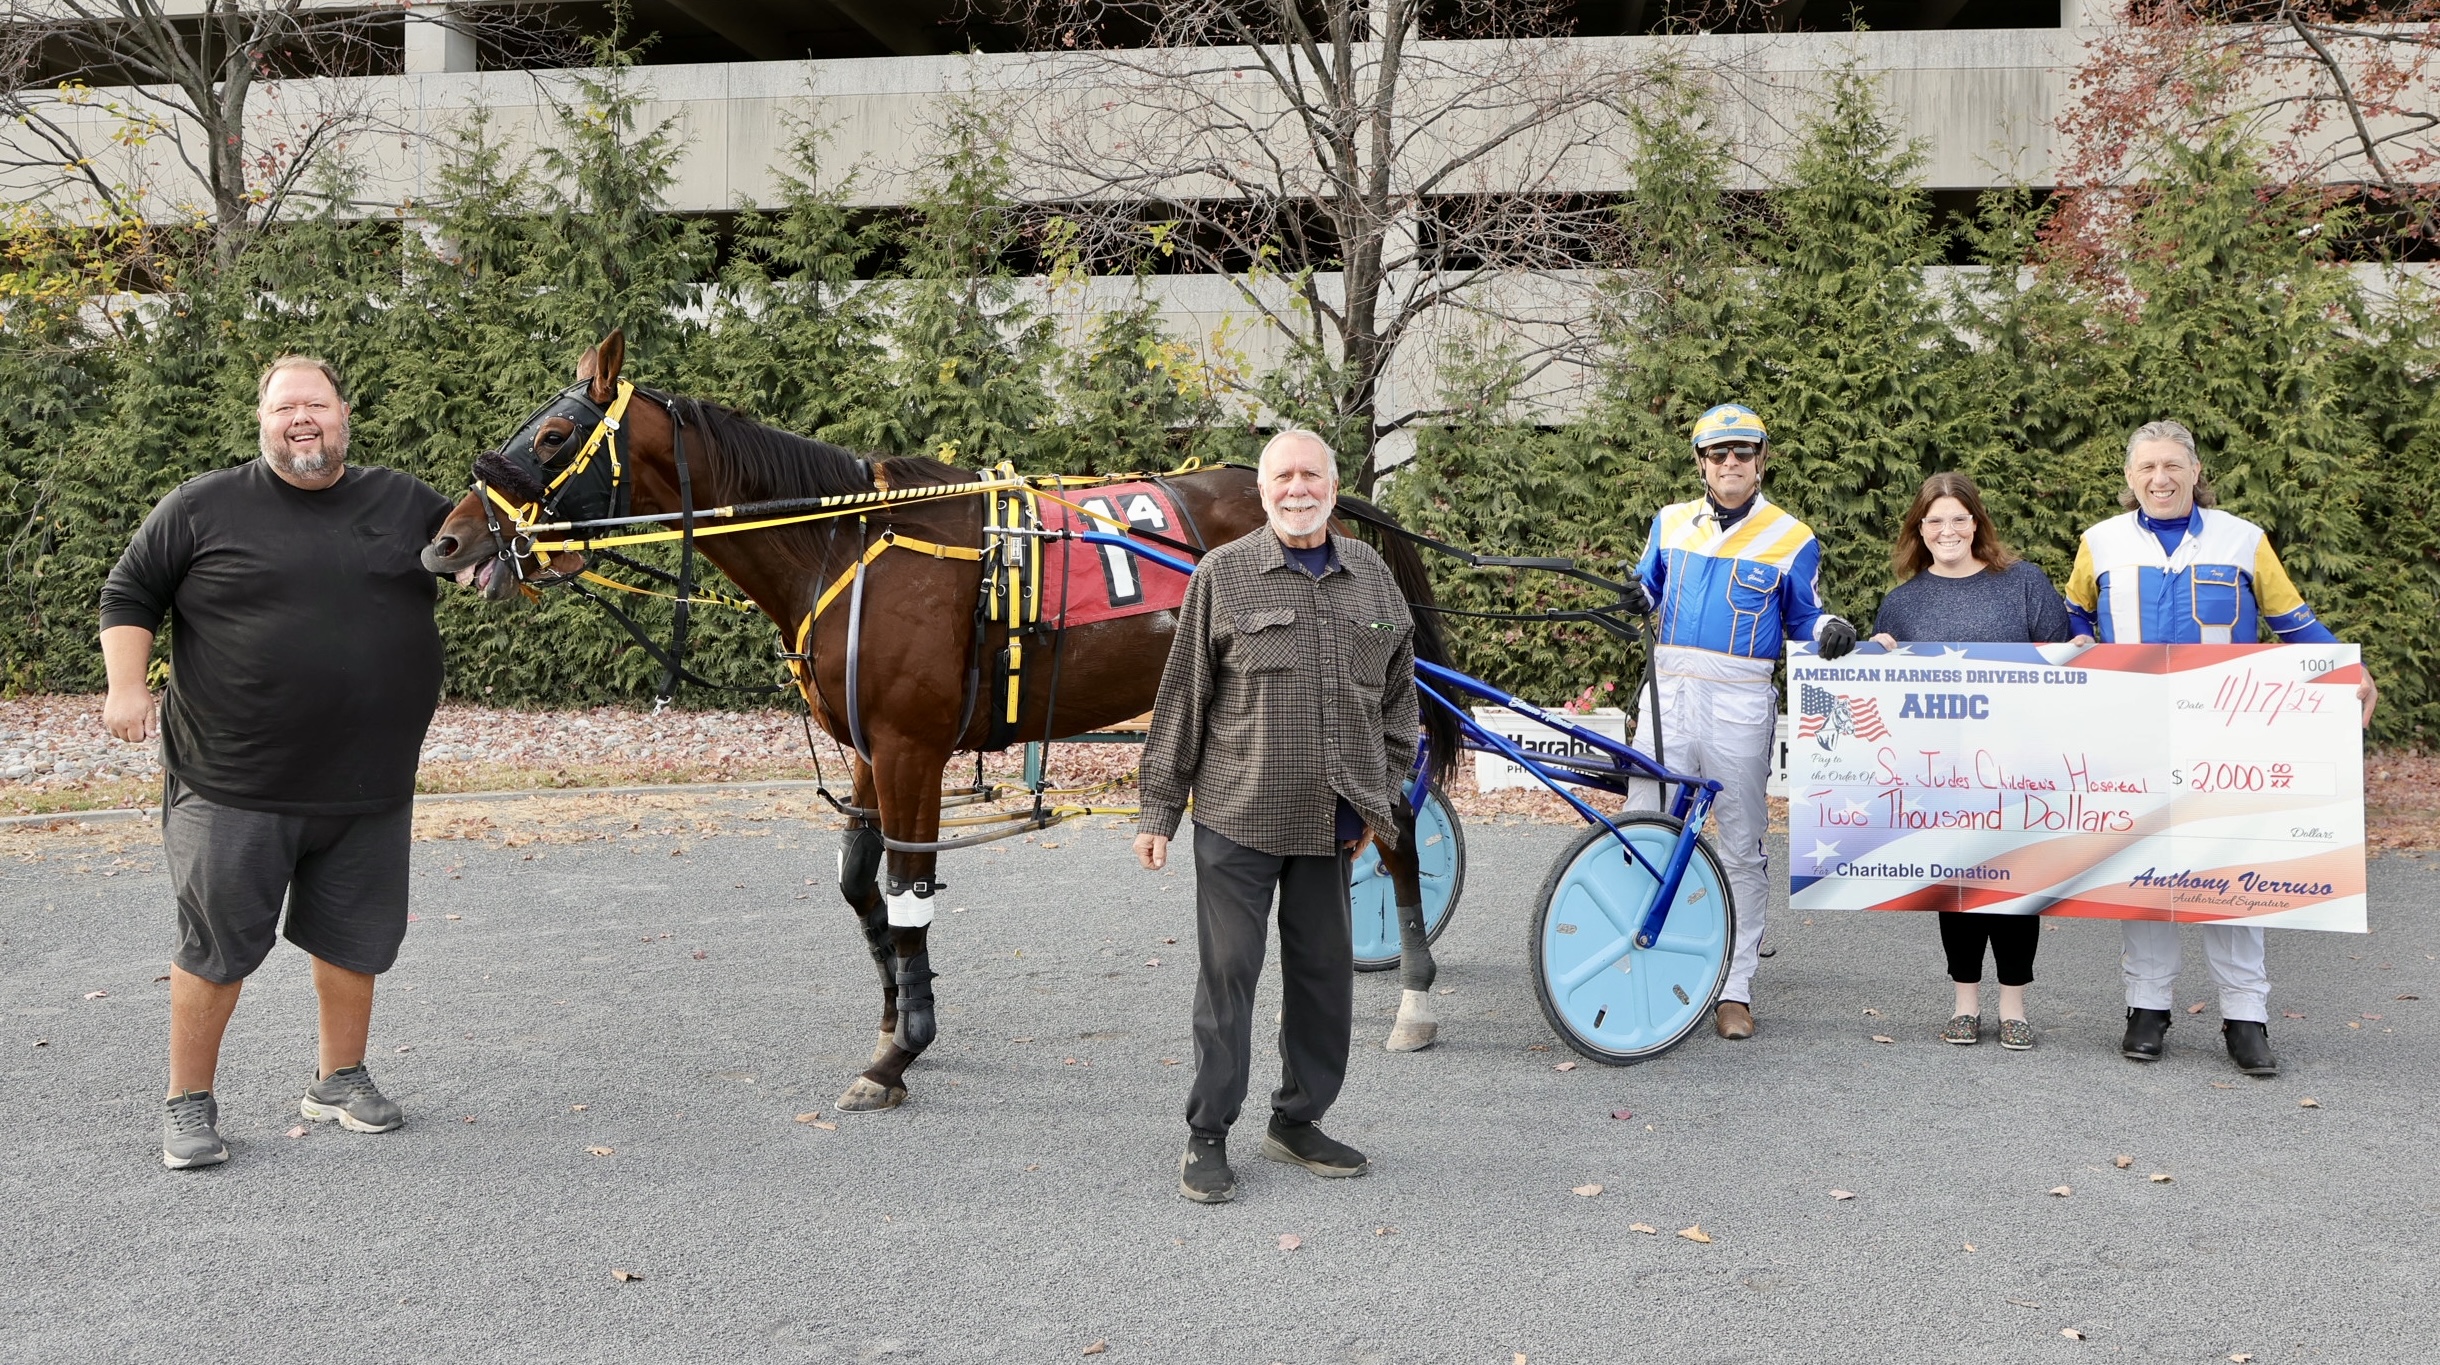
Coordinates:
(1827,312)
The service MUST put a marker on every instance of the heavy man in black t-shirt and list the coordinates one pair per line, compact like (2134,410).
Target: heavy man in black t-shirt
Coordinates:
(304,669)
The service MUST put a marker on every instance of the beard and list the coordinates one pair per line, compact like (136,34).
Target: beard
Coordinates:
(1300,523)
(311,464)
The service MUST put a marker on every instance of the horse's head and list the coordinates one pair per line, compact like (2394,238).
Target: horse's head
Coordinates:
(567,462)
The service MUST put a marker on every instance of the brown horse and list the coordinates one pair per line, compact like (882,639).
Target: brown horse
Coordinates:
(914,681)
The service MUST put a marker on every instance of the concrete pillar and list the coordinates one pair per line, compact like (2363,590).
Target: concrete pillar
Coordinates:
(434,46)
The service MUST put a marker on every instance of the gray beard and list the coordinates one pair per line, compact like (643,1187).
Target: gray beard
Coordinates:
(332,455)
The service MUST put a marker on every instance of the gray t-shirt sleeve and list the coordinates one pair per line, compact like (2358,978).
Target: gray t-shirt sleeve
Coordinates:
(2045,610)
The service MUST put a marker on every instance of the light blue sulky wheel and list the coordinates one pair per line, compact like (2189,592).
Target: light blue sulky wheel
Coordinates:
(1608,999)
(1372,902)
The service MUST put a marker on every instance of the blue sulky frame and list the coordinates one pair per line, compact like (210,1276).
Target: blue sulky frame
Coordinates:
(1620,763)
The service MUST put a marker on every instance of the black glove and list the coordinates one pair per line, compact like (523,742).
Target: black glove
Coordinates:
(1837,639)
(1632,596)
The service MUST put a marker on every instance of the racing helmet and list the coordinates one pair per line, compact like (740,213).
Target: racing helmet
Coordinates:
(1729,422)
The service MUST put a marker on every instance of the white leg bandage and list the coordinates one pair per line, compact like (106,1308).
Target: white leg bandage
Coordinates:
(909,911)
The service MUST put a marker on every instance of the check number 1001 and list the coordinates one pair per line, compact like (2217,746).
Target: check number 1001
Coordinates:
(2207,777)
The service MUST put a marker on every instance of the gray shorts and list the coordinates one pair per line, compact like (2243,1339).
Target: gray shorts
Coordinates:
(344,878)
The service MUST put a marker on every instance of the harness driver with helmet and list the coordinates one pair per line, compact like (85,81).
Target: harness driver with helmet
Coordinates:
(1730,575)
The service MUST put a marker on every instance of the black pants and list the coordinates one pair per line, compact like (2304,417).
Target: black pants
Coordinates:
(2013,939)
(1233,888)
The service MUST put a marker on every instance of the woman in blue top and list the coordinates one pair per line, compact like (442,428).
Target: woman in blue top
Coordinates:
(1958,584)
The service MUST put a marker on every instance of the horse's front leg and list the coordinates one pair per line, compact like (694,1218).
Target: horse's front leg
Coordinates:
(860,857)
(1416,1029)
(908,787)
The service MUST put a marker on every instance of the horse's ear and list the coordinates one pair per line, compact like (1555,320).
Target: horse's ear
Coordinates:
(603,363)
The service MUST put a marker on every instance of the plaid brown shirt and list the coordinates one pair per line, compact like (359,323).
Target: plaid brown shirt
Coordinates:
(1283,693)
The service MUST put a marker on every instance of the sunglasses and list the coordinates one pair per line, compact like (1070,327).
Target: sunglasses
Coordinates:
(1723,454)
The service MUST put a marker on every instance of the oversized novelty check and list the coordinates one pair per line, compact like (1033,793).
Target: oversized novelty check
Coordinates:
(2160,782)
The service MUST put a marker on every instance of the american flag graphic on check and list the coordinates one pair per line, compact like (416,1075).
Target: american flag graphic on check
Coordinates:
(1827,715)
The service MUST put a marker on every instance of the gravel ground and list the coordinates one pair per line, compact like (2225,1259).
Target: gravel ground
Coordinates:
(612,1015)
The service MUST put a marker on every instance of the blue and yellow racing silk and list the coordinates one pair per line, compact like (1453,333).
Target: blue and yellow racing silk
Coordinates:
(1734,591)
(2220,585)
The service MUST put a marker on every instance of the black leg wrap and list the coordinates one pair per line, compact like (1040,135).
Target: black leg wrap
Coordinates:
(916,1023)
(1416,969)
(859,863)
(877,941)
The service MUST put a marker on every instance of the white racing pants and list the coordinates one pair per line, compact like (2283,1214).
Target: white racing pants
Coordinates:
(1722,729)
(2235,952)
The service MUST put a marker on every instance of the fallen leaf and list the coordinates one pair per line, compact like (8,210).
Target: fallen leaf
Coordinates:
(1152,962)
(467,1119)
(96,995)
(1645,1228)
(2308,1102)
(1169,940)
(2372,1017)
(299,1131)
(828,1127)
(159,979)
(1538,1047)
(578,1108)
(2024,1303)
(2195,1008)
(701,955)
(1588,1191)
(1169,1061)
(1872,1012)
(809,1116)
(1842,1194)
(1289,1241)
(1621,1114)
(2352,1024)
(1020,1040)
(1068,1062)
(2402,997)
(1097,1347)
(1883,1038)
(2160,1177)
(1695,1234)
(1050,845)
(601,1151)
(2062,1191)
(453,917)
(1564,1066)
(1381,1232)
(406,1047)
(2291,1014)
(2223,1085)
(2071,1334)
(626,1277)
(2122,1161)
(1969,1246)
(42,1042)
(2240,1357)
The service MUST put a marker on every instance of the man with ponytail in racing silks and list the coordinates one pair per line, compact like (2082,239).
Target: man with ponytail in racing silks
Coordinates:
(1730,575)
(2175,570)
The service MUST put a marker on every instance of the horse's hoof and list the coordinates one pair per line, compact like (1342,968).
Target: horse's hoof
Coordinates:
(1410,1037)
(881,1050)
(864,1096)
(1415,1029)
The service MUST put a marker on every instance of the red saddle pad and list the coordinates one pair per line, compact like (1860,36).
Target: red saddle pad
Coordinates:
(1083,582)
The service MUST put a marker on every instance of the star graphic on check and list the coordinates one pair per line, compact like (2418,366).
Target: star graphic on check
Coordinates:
(1858,808)
(1823,851)
(1953,652)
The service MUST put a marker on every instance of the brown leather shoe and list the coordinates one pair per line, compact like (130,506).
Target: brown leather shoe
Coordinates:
(1733,1019)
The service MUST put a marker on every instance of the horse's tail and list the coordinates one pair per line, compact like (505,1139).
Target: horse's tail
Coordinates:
(1431,641)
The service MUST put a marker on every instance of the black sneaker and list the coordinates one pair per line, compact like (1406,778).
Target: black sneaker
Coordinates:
(190,1133)
(2249,1046)
(1306,1145)
(1203,1173)
(2147,1034)
(348,1095)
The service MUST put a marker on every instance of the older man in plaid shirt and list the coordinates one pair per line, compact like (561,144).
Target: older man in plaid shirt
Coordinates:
(1288,712)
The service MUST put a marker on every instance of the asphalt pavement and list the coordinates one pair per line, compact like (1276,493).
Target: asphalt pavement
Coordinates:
(604,1049)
